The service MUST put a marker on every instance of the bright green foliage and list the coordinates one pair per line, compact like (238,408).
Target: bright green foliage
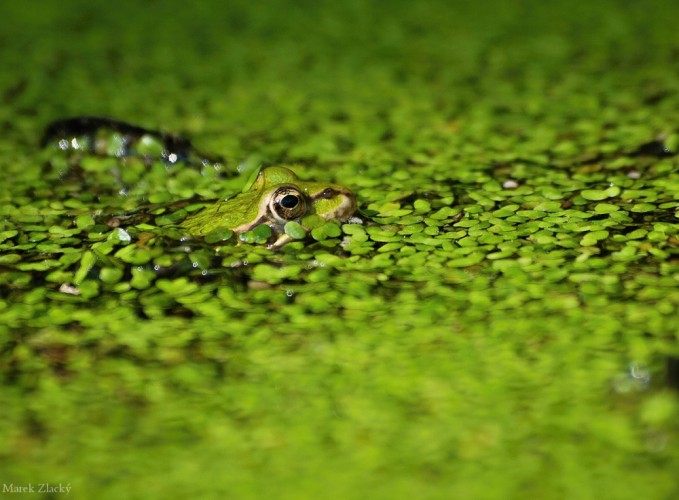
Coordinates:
(259,234)
(295,230)
(501,325)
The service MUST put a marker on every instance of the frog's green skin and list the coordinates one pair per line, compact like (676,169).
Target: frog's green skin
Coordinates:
(276,197)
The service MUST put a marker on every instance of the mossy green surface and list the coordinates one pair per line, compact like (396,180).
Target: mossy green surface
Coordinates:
(503,325)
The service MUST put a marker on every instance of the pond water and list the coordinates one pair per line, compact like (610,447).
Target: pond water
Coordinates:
(499,321)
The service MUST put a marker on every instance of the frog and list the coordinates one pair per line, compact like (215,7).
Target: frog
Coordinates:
(276,198)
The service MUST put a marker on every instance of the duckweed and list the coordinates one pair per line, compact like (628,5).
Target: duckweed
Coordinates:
(295,230)
(498,321)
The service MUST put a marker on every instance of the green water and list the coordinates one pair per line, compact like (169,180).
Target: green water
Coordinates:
(504,324)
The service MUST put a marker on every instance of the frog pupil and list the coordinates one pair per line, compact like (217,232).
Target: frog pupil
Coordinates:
(289,201)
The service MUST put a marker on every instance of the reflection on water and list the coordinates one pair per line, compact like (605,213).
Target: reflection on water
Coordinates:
(636,378)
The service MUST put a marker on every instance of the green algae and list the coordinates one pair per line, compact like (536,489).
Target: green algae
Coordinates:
(497,327)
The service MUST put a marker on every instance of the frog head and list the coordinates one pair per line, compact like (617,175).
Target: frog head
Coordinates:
(275,198)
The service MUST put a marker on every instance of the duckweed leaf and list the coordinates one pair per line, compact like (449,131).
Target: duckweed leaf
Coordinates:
(295,230)
(87,262)
(218,235)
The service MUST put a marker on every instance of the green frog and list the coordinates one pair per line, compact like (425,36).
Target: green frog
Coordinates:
(278,199)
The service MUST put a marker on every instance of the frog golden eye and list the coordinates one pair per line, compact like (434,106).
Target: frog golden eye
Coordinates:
(287,203)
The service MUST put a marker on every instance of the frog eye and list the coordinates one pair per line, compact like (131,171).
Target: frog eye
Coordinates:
(287,203)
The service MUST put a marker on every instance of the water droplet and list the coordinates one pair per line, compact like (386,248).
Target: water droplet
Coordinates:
(124,235)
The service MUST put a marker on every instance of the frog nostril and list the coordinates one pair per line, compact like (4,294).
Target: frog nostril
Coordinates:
(327,193)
